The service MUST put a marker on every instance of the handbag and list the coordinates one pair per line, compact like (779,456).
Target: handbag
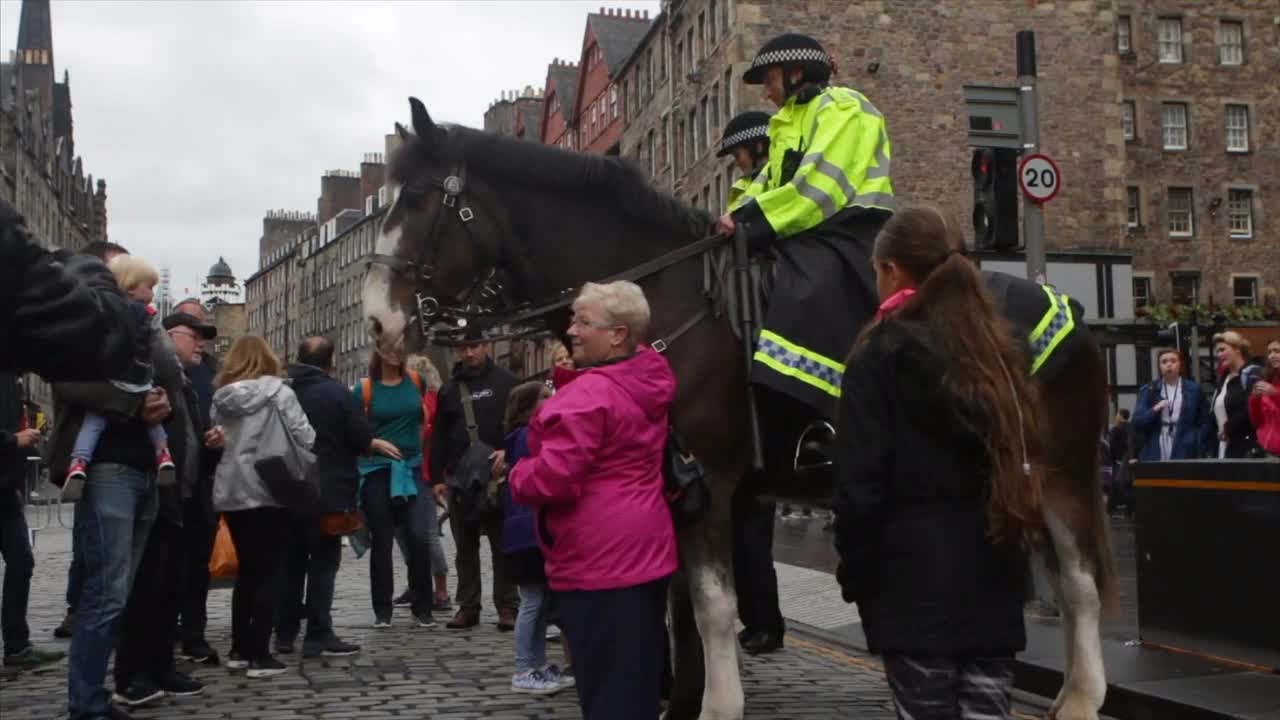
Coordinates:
(223,562)
(289,477)
(684,483)
(471,483)
(341,523)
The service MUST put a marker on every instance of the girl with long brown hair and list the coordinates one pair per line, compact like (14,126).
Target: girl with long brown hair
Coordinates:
(937,492)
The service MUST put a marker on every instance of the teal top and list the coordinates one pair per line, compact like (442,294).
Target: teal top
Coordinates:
(395,412)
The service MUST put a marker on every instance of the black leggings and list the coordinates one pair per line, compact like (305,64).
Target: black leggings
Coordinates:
(260,536)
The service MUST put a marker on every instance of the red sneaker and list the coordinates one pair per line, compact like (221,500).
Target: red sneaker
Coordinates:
(77,469)
(164,460)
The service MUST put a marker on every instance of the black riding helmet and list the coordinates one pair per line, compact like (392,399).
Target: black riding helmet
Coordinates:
(791,50)
(745,128)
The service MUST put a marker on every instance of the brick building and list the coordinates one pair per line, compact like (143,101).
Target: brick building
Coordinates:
(40,174)
(559,100)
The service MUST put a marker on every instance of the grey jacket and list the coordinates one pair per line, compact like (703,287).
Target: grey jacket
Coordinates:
(243,409)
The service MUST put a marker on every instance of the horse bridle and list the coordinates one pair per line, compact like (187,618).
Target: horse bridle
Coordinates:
(488,298)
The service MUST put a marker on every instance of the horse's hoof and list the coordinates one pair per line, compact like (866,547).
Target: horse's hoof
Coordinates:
(1072,709)
(682,710)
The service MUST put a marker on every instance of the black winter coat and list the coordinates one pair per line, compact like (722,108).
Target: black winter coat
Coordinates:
(911,520)
(343,433)
(61,316)
(13,460)
(490,385)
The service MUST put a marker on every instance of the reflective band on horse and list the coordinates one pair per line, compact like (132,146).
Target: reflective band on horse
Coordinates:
(1054,327)
(785,357)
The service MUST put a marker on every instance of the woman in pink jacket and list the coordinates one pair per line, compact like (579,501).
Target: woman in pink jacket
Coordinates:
(1264,402)
(594,473)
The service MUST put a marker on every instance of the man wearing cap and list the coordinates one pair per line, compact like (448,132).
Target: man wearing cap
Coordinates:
(144,666)
(199,521)
(817,211)
(478,382)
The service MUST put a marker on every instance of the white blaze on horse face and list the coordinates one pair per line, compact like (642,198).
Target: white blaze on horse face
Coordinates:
(1084,685)
(378,303)
(714,608)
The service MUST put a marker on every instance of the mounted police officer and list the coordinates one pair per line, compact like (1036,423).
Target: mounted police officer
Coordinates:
(746,138)
(816,209)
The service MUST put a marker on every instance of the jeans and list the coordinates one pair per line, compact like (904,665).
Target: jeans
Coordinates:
(259,536)
(75,581)
(466,538)
(950,688)
(149,624)
(531,628)
(199,528)
(19,564)
(618,643)
(383,513)
(311,567)
(112,522)
(427,517)
(91,430)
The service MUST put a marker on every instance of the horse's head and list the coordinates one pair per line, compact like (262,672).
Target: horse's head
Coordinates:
(436,263)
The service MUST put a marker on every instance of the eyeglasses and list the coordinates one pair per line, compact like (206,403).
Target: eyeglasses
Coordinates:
(176,331)
(580,322)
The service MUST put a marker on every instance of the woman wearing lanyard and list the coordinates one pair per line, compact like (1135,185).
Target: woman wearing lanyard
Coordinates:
(389,486)
(1171,415)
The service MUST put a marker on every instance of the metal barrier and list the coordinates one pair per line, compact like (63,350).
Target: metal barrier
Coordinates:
(46,507)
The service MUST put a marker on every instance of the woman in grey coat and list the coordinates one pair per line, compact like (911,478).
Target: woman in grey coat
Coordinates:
(251,403)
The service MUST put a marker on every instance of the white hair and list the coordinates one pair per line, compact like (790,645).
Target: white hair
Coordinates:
(622,302)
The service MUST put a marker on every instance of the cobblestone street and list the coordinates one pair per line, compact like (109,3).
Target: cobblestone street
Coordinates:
(411,672)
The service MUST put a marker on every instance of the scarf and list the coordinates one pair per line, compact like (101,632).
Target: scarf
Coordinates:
(894,301)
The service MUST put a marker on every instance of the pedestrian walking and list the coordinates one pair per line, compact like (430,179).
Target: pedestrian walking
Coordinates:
(1264,402)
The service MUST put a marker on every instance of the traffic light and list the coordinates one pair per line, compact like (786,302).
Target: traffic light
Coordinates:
(995,198)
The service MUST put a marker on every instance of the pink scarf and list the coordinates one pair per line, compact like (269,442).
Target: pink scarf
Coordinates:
(894,301)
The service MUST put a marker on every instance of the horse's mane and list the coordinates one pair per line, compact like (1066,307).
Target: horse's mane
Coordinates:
(588,176)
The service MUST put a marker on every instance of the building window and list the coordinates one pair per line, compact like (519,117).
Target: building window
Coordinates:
(627,102)
(702,35)
(689,57)
(713,12)
(668,146)
(691,149)
(679,59)
(715,113)
(708,131)
(1186,288)
(653,156)
(1173,122)
(1124,34)
(719,186)
(1169,40)
(1135,207)
(678,152)
(1244,290)
(613,101)
(1230,43)
(1141,291)
(1240,213)
(728,93)
(1237,128)
(1127,113)
(1181,216)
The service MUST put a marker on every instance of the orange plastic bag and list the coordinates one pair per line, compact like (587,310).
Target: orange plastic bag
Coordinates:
(223,561)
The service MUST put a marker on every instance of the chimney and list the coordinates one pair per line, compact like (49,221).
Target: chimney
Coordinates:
(646,14)
(372,175)
(339,191)
(602,10)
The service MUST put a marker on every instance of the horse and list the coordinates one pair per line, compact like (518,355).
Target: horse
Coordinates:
(489,228)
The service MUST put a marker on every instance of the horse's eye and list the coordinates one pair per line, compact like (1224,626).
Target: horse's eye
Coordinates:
(413,197)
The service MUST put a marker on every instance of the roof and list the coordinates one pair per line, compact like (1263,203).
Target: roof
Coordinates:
(62,109)
(221,269)
(645,41)
(562,79)
(618,37)
(35,27)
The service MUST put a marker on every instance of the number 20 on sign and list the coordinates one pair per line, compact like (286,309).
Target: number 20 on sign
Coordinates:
(1039,178)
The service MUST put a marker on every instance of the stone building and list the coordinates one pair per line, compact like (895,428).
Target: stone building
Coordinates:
(220,286)
(232,322)
(518,113)
(40,173)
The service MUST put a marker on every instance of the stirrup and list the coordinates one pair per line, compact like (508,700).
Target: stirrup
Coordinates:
(813,448)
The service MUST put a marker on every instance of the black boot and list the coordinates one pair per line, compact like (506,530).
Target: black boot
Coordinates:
(762,643)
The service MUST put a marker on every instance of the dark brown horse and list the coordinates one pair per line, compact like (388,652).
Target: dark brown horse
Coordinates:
(482,223)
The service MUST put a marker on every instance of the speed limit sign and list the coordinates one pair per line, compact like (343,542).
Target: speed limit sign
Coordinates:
(1039,178)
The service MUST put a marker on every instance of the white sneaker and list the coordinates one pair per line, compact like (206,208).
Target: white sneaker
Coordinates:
(533,682)
(380,623)
(555,674)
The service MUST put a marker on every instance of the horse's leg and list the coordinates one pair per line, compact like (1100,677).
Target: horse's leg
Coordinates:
(1084,685)
(686,658)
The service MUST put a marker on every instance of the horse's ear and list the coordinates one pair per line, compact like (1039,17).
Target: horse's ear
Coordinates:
(402,131)
(422,124)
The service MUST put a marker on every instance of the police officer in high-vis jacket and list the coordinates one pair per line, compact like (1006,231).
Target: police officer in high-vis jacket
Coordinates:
(816,210)
(746,138)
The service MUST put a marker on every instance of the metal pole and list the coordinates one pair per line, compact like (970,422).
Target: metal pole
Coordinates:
(1032,213)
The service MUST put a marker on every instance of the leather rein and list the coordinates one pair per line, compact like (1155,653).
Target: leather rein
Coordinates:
(488,298)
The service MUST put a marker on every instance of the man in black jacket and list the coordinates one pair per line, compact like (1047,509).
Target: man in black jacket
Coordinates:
(62,317)
(342,434)
(488,386)
(16,443)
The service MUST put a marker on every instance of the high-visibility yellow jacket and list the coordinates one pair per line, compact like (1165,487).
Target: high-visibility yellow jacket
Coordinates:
(825,155)
(738,191)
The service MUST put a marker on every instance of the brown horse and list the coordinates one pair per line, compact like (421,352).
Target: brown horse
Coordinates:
(483,223)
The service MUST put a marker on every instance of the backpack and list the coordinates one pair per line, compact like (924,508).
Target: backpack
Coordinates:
(366,390)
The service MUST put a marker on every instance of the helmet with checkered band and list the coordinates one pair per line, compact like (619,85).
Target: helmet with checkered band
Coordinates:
(791,50)
(746,128)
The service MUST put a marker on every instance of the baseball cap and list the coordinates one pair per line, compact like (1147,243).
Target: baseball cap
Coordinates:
(207,332)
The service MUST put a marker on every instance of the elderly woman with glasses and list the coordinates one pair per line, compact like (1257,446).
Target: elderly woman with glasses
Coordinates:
(594,475)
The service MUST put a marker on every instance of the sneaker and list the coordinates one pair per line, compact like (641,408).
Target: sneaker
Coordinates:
(266,667)
(381,622)
(30,658)
(199,652)
(164,461)
(333,647)
(180,684)
(442,604)
(284,647)
(533,682)
(235,661)
(564,678)
(140,692)
(117,713)
(424,620)
(68,624)
(167,474)
(553,633)
(405,599)
(78,470)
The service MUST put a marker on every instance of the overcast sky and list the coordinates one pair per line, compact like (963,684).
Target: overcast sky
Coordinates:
(203,114)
